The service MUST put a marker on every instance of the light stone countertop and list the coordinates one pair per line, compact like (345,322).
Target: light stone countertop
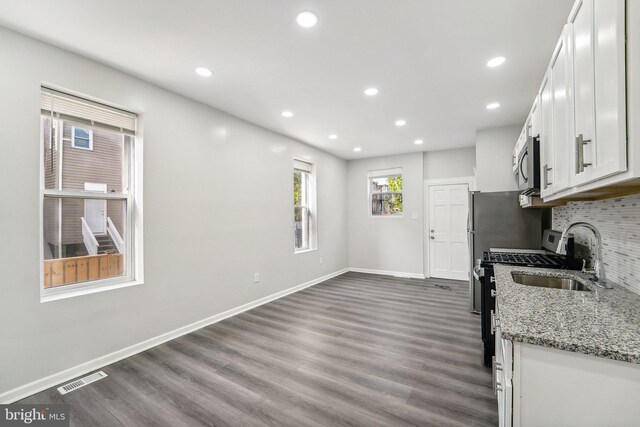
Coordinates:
(602,322)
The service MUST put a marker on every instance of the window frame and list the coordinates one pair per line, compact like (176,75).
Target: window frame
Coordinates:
(73,138)
(131,195)
(310,206)
(385,173)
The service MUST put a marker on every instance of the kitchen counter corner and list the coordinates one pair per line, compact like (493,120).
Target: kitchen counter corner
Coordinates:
(602,322)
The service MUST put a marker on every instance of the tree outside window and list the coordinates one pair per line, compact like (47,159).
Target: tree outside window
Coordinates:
(386,195)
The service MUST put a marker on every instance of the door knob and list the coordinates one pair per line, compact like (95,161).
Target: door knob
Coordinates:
(432,238)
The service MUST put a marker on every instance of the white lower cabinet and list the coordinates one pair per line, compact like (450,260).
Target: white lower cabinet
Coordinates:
(503,376)
(541,386)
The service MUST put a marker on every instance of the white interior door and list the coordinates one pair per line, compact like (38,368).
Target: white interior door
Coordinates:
(447,231)
(95,211)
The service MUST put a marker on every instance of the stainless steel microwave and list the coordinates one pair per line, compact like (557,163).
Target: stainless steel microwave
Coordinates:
(527,169)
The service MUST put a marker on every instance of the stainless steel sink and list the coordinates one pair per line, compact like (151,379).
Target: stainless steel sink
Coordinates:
(549,282)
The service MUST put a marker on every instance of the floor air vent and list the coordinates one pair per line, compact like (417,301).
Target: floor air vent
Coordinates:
(81,382)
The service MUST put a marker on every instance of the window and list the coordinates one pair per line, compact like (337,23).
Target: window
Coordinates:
(303,206)
(82,138)
(88,195)
(385,192)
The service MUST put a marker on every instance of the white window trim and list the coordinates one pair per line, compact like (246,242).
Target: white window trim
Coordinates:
(312,206)
(134,232)
(73,138)
(385,173)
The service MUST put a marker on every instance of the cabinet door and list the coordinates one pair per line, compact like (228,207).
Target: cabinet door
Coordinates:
(581,22)
(532,125)
(546,138)
(598,44)
(534,119)
(562,99)
(609,153)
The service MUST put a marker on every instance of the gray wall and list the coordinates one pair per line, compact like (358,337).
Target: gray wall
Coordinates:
(494,150)
(450,163)
(386,243)
(217,202)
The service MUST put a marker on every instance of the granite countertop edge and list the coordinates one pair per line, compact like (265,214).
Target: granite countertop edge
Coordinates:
(601,323)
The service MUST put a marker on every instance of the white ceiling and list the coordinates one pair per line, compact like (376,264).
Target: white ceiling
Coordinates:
(427,57)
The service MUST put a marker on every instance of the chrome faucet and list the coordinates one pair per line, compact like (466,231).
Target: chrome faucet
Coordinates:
(600,279)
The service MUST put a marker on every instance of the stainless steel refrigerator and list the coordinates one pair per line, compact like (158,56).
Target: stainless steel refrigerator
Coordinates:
(496,220)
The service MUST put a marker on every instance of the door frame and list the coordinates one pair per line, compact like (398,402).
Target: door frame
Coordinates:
(96,184)
(428,183)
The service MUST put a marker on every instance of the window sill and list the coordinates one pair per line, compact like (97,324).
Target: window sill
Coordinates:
(386,216)
(72,293)
(304,251)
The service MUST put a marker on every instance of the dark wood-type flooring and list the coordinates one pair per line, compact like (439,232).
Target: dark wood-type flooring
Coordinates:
(356,350)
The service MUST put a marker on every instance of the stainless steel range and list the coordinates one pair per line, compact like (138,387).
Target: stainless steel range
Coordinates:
(525,257)
(483,272)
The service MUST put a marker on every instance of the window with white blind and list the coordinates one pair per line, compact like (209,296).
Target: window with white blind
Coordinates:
(303,206)
(385,192)
(88,189)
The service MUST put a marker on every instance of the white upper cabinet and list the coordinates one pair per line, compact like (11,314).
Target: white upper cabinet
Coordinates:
(609,154)
(562,100)
(533,121)
(580,112)
(596,30)
(556,117)
(546,138)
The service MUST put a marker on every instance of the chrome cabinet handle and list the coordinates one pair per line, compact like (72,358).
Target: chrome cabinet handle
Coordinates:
(492,279)
(545,176)
(494,376)
(495,322)
(580,143)
(493,293)
(494,380)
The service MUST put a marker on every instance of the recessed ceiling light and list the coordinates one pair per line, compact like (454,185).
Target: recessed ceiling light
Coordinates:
(496,62)
(307,19)
(286,114)
(357,149)
(371,91)
(204,72)
(333,136)
(418,142)
(493,106)
(401,122)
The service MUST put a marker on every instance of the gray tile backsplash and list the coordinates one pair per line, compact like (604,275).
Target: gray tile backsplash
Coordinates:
(618,220)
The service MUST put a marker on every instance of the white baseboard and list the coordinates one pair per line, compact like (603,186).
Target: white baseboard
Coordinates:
(388,273)
(68,374)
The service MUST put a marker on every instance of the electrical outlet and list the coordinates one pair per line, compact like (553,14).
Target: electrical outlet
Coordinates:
(256,277)
(321,260)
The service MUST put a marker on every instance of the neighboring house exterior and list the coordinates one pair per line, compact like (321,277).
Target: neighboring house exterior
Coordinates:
(84,159)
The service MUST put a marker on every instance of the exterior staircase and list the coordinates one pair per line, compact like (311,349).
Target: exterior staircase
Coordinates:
(105,244)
